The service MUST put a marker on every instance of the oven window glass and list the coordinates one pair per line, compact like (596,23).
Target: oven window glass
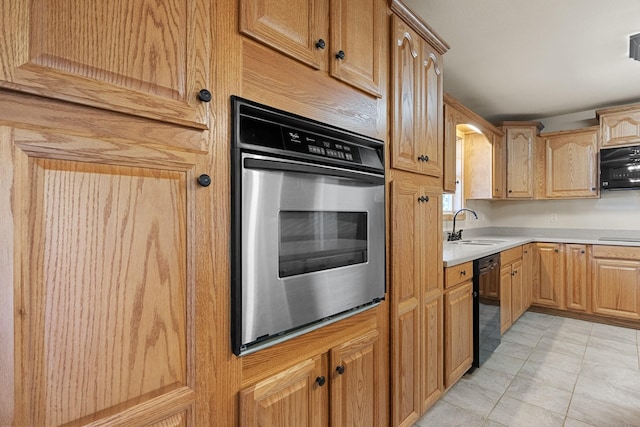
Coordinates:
(315,241)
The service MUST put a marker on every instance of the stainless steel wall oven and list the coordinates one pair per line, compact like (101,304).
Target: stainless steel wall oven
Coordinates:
(308,225)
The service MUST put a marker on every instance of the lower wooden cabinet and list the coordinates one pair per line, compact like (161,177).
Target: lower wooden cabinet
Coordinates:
(341,386)
(513,300)
(505,298)
(577,278)
(616,281)
(458,336)
(548,275)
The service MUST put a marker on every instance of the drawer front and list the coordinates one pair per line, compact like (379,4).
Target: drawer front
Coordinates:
(458,274)
(510,255)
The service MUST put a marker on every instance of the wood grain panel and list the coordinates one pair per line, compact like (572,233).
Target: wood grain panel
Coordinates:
(177,420)
(145,58)
(290,27)
(520,151)
(619,126)
(478,167)
(518,298)
(431,240)
(354,393)
(549,277)
(432,341)
(430,123)
(510,255)
(578,278)
(405,368)
(458,274)
(618,252)
(458,343)
(505,297)
(106,294)
(8,277)
(616,288)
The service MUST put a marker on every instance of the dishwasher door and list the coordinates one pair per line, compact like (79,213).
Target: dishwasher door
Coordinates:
(486,308)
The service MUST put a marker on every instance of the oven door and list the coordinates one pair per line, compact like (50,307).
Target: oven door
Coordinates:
(312,245)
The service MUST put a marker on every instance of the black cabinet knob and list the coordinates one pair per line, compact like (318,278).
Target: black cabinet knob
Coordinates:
(321,381)
(423,199)
(204,180)
(340,55)
(204,95)
(320,44)
(582,251)
(555,250)
(510,191)
(340,369)
(463,273)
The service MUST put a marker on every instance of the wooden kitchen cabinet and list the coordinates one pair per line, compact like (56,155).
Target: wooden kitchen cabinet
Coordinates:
(512,292)
(144,59)
(520,140)
(619,126)
(416,90)
(616,281)
(528,266)
(296,396)
(548,283)
(338,388)
(577,277)
(452,118)
(415,296)
(571,164)
(338,36)
(458,323)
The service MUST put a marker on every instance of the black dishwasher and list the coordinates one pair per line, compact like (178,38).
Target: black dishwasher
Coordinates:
(486,307)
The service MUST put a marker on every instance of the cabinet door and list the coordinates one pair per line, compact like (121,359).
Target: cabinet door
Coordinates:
(571,168)
(405,295)
(518,299)
(296,28)
(98,283)
(528,262)
(430,123)
(549,277)
(458,320)
(355,391)
(505,298)
(499,167)
(356,31)
(621,127)
(452,118)
(294,397)
(143,58)
(578,279)
(520,151)
(405,75)
(432,351)
(616,287)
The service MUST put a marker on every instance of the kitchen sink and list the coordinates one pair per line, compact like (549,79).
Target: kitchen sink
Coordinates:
(477,242)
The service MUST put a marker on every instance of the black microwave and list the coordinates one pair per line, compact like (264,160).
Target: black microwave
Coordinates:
(620,168)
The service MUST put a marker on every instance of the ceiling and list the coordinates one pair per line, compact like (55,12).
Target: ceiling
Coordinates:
(528,60)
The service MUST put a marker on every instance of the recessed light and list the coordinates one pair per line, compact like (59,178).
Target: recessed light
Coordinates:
(634,47)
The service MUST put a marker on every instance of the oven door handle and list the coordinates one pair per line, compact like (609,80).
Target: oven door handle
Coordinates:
(275,165)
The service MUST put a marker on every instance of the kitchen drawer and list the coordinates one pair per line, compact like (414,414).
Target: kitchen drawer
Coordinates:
(458,274)
(616,252)
(510,255)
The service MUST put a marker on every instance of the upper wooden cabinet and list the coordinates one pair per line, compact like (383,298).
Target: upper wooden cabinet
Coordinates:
(346,42)
(148,59)
(417,113)
(619,125)
(571,164)
(452,118)
(520,143)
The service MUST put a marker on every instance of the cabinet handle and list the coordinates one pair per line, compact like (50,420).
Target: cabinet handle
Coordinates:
(340,55)
(510,191)
(204,180)
(593,188)
(423,158)
(555,250)
(582,251)
(204,95)
(424,199)
(320,44)
(340,369)
(463,273)
(321,381)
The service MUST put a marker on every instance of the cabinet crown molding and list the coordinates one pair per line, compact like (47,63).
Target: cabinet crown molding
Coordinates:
(418,25)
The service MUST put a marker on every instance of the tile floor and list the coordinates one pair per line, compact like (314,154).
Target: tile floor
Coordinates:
(549,371)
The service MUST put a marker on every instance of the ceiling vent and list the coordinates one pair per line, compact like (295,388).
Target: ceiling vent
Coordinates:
(634,47)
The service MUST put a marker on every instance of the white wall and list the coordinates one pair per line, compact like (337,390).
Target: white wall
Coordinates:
(615,210)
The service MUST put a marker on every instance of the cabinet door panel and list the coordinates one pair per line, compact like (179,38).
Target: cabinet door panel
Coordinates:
(355,30)
(430,133)
(290,398)
(458,319)
(108,285)
(549,277)
(405,296)
(616,288)
(432,361)
(505,298)
(291,27)
(520,162)
(571,165)
(138,57)
(517,291)
(355,392)
(405,91)
(578,279)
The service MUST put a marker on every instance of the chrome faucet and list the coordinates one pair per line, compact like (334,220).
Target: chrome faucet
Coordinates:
(457,236)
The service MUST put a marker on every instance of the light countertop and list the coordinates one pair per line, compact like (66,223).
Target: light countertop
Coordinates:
(454,253)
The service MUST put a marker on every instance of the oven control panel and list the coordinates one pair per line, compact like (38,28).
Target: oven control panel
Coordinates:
(305,142)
